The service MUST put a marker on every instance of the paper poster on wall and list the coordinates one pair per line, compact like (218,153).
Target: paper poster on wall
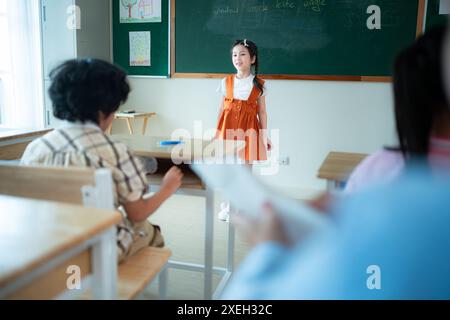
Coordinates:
(140,11)
(444,7)
(140,49)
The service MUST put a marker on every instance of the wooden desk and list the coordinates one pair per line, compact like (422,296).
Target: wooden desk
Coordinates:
(198,149)
(337,167)
(192,185)
(13,142)
(39,239)
(128,116)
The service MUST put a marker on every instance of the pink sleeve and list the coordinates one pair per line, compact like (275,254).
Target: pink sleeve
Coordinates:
(380,167)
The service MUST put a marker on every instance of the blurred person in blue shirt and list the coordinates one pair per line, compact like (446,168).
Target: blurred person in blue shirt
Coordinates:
(391,241)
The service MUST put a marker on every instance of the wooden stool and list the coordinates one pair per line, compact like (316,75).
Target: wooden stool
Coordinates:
(135,115)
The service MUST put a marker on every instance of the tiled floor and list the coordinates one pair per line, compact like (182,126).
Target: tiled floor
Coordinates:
(182,221)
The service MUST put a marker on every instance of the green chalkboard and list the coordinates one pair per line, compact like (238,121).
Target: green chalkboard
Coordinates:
(304,38)
(159,35)
(433,18)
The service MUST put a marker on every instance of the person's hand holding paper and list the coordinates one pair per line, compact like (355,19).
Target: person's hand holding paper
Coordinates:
(248,195)
(266,228)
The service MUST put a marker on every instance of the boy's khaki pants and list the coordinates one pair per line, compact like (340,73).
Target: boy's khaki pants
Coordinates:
(146,235)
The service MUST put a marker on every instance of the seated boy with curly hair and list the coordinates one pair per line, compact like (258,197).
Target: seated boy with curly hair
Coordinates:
(85,95)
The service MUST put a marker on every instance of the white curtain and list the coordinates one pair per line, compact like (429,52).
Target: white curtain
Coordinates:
(25,103)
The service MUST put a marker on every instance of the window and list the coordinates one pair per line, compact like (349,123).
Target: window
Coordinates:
(4,56)
(21,104)
(4,38)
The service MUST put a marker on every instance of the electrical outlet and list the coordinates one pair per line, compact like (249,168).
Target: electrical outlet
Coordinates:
(283,161)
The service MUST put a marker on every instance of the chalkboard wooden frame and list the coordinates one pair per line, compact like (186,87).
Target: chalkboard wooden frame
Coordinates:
(419,29)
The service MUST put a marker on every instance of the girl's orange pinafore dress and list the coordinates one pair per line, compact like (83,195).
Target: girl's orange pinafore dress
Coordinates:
(239,121)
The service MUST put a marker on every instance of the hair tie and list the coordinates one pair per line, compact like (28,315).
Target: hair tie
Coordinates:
(245,43)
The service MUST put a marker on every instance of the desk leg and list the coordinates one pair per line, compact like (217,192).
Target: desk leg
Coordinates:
(209,241)
(130,128)
(144,126)
(230,248)
(104,265)
(163,278)
(332,185)
(230,258)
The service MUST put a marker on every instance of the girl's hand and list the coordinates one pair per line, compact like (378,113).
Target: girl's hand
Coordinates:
(267,143)
(171,181)
(266,228)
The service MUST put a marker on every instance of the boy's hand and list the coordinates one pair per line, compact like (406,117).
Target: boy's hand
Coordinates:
(171,181)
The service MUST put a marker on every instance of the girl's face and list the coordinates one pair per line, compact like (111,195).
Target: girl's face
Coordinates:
(241,58)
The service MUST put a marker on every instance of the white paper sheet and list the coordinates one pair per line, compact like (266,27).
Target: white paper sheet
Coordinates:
(248,194)
(444,7)
(140,11)
(140,49)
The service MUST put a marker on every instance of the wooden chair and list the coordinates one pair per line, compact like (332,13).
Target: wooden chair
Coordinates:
(337,167)
(138,271)
(92,188)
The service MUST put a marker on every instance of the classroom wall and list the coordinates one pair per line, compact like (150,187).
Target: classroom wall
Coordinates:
(314,118)
(93,37)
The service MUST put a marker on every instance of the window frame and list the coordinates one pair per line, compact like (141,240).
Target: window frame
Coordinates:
(4,73)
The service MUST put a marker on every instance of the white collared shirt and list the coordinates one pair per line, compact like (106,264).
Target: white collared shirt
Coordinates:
(242,87)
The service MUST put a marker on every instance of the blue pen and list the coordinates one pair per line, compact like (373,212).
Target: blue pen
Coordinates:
(169,142)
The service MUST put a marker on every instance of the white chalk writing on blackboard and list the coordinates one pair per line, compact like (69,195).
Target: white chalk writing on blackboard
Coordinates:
(285,4)
(315,5)
(258,8)
(226,10)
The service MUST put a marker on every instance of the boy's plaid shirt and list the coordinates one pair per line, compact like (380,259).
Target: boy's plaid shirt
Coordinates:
(86,145)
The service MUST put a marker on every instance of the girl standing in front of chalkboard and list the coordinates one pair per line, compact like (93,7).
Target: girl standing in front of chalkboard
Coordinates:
(243,113)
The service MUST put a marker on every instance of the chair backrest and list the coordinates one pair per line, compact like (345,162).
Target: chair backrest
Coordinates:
(74,185)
